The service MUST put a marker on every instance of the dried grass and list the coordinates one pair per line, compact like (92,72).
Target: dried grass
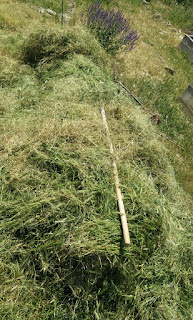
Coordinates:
(61,248)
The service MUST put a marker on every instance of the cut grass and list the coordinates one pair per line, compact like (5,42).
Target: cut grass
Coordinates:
(62,253)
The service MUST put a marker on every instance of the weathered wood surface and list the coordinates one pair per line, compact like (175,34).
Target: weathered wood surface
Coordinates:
(187,100)
(187,46)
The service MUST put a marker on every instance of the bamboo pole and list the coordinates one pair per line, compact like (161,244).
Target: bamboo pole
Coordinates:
(117,185)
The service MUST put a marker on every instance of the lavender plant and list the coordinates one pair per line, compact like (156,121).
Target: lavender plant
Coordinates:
(112,29)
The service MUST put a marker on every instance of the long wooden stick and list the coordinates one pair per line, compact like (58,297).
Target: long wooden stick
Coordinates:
(126,89)
(117,185)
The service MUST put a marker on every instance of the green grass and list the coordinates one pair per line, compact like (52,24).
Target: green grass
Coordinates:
(61,246)
(179,14)
(55,5)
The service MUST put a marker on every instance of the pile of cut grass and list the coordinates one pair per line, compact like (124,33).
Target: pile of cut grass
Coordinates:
(62,253)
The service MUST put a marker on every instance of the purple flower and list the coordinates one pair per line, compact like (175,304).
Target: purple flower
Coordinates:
(111,28)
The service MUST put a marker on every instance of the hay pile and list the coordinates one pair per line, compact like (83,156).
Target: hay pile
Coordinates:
(62,253)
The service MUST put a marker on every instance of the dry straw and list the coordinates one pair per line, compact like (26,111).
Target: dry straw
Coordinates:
(117,184)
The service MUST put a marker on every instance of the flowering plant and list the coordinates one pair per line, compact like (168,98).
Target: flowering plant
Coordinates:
(111,28)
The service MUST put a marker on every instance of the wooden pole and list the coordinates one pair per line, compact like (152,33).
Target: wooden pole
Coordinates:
(126,89)
(117,185)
